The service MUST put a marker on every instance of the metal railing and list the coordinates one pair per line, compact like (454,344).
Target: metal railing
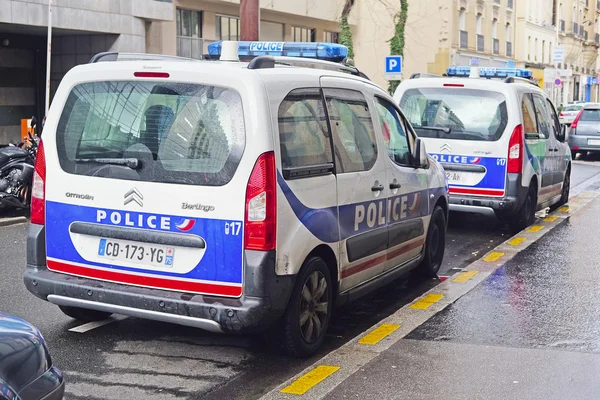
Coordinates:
(496,46)
(190,47)
(480,43)
(509,49)
(464,39)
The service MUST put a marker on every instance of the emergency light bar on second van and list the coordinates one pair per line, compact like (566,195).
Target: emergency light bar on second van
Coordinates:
(320,51)
(487,72)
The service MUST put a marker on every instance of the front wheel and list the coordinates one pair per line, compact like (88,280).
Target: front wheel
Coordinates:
(435,244)
(83,314)
(564,198)
(526,214)
(309,310)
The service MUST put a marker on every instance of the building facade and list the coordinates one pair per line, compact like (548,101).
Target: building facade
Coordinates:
(81,29)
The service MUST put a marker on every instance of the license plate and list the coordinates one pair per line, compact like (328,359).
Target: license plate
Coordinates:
(594,142)
(138,253)
(454,177)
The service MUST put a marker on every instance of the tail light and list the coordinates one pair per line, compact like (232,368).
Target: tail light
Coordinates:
(38,188)
(561,114)
(576,120)
(515,151)
(260,221)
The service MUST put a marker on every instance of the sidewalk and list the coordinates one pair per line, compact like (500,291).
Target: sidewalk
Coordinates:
(522,323)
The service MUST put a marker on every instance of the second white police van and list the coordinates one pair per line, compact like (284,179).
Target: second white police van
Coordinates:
(499,140)
(230,196)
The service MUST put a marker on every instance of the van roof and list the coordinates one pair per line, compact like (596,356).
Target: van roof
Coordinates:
(473,83)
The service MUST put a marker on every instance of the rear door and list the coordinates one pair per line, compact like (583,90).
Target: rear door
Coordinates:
(463,129)
(361,182)
(544,147)
(142,186)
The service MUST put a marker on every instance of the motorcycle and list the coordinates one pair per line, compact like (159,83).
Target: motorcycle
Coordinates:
(16,171)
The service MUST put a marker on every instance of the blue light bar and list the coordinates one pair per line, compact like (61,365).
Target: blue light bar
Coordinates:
(486,72)
(320,51)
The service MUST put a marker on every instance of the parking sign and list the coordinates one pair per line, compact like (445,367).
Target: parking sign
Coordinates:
(393,68)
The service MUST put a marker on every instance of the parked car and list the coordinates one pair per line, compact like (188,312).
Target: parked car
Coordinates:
(568,114)
(26,369)
(584,135)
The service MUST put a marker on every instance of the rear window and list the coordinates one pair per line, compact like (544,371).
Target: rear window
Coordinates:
(590,115)
(163,132)
(572,108)
(469,114)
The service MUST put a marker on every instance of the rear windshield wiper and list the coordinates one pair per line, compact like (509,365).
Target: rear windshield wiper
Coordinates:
(132,163)
(444,129)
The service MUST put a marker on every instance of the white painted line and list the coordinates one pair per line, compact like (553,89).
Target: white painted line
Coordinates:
(97,324)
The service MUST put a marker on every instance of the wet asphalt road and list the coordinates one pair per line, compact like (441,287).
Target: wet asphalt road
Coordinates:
(140,359)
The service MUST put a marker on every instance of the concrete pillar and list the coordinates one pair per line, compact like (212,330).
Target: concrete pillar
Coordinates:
(566,90)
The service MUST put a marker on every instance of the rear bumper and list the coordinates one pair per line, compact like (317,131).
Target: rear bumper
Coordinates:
(493,206)
(580,143)
(264,300)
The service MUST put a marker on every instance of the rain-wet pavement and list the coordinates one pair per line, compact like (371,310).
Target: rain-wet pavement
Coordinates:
(531,330)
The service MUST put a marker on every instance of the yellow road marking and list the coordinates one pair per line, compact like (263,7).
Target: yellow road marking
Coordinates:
(535,228)
(378,334)
(564,209)
(551,218)
(426,301)
(464,276)
(586,195)
(516,241)
(310,379)
(493,256)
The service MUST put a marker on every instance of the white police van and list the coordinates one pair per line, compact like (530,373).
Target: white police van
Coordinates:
(499,141)
(227,195)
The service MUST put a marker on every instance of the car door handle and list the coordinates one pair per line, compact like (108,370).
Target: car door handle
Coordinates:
(395,185)
(553,149)
(377,187)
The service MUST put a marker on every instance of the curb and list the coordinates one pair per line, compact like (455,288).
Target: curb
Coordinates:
(12,221)
(369,344)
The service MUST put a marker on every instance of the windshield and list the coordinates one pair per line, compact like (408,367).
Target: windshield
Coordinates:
(590,115)
(573,108)
(470,114)
(179,132)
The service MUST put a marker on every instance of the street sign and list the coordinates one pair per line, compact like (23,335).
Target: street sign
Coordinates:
(475,61)
(558,54)
(393,68)
(557,81)
(511,64)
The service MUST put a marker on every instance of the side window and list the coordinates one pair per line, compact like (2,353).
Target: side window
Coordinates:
(352,128)
(555,120)
(529,121)
(394,132)
(303,131)
(543,116)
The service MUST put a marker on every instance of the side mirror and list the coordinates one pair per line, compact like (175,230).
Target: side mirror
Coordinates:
(419,154)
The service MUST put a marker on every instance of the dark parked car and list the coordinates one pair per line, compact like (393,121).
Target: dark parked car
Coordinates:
(26,370)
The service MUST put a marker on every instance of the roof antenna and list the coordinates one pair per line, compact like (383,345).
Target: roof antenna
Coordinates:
(229,51)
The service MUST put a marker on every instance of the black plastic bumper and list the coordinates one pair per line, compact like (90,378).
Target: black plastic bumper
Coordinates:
(264,300)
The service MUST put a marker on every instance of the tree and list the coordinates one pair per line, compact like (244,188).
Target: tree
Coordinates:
(397,42)
(345,31)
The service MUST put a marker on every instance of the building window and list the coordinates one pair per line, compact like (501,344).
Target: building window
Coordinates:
(543,51)
(479,31)
(495,41)
(303,34)
(228,28)
(529,48)
(271,31)
(189,34)
(331,37)
(462,27)
(536,50)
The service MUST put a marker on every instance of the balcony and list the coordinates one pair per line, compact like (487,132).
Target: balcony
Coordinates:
(496,3)
(496,46)
(509,3)
(464,39)
(480,43)
(509,50)
(562,24)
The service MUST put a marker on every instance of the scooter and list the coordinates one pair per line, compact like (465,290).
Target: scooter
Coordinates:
(16,171)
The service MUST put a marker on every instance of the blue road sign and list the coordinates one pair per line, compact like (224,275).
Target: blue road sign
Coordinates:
(393,65)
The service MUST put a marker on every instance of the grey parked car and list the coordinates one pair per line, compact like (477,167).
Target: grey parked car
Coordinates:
(584,135)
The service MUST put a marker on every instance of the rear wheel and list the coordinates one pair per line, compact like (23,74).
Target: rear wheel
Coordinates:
(309,310)
(564,198)
(83,314)
(526,214)
(434,245)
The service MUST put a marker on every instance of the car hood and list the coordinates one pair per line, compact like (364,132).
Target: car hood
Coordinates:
(24,356)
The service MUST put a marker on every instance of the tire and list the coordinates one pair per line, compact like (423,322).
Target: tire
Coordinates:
(573,154)
(313,304)
(434,245)
(564,199)
(526,214)
(83,314)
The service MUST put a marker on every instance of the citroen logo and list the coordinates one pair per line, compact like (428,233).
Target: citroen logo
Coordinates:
(135,196)
(446,147)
